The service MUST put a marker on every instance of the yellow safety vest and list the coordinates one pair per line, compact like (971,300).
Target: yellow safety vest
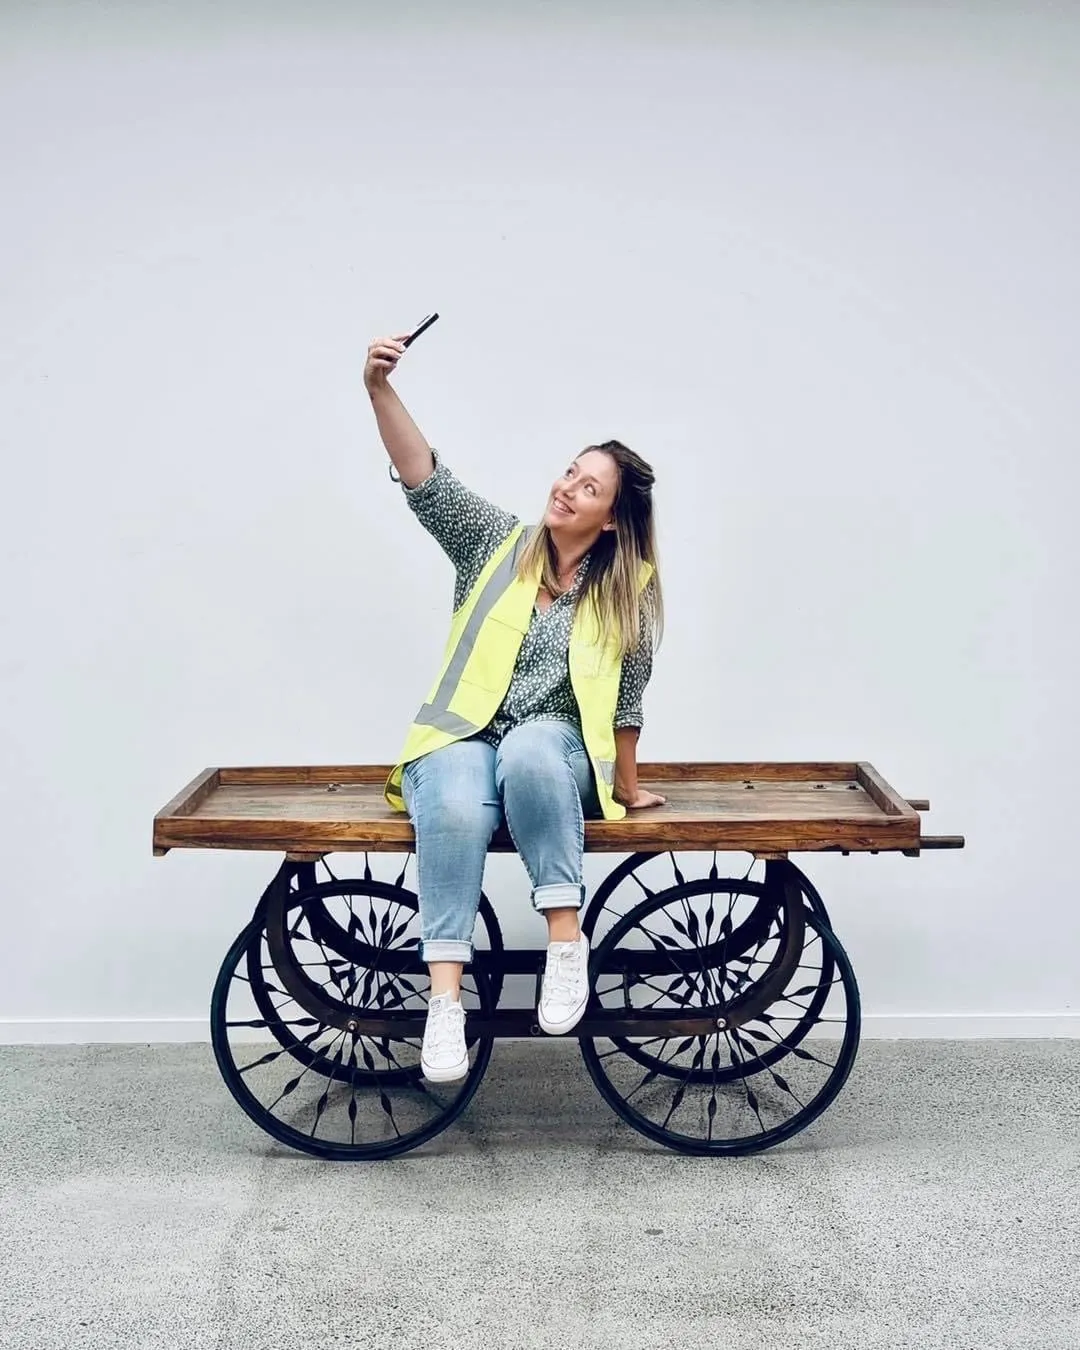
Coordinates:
(485,637)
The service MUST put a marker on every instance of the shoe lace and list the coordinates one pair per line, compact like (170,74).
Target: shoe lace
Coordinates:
(444,1024)
(563,968)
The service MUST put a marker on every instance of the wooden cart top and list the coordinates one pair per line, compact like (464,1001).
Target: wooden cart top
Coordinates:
(764,808)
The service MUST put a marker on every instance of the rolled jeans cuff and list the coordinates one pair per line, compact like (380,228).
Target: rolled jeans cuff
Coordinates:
(564,895)
(446,949)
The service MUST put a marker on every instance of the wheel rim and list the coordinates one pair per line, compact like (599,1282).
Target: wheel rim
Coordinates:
(723,1093)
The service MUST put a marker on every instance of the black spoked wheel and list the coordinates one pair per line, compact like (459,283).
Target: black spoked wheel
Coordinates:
(342,948)
(723,1093)
(643,875)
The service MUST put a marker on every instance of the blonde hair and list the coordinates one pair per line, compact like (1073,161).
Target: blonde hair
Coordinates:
(611,583)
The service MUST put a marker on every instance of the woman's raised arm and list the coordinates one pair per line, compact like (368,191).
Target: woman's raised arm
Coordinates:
(404,441)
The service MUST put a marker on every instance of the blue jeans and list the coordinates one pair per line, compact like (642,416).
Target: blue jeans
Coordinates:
(540,778)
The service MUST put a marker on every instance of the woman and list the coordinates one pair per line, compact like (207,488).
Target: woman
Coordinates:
(535,714)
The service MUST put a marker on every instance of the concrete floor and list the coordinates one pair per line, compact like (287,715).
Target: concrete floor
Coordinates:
(935,1205)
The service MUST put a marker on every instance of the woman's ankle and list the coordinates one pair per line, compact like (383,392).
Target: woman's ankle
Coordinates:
(563,925)
(445,979)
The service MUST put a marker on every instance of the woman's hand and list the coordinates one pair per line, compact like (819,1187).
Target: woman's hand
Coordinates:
(382,356)
(641,799)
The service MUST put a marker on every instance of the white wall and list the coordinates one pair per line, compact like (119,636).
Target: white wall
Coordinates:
(818,263)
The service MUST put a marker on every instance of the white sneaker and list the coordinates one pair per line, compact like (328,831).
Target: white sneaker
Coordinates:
(565,990)
(443,1056)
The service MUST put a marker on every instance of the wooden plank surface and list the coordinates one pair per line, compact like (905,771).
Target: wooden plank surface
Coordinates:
(753,806)
(668,770)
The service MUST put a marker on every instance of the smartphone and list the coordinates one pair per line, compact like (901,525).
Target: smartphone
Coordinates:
(421,327)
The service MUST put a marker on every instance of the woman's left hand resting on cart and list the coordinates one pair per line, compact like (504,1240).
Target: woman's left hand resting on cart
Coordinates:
(627,789)
(640,799)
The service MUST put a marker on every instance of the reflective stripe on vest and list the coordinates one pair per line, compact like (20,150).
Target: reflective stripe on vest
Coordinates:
(437,713)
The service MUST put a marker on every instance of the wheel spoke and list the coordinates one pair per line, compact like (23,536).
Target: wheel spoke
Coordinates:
(714,1065)
(680,1091)
(293,1083)
(648,894)
(653,1073)
(264,1023)
(751,1096)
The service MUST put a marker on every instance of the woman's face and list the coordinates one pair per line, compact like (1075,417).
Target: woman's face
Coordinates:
(582,500)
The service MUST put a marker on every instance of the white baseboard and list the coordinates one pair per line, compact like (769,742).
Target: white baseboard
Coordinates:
(969,1026)
(876,1026)
(105,1031)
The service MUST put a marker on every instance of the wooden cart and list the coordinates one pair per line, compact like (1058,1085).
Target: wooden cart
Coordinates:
(724,1014)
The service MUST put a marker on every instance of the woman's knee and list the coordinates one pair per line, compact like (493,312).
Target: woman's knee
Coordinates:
(455,786)
(463,817)
(460,810)
(541,750)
